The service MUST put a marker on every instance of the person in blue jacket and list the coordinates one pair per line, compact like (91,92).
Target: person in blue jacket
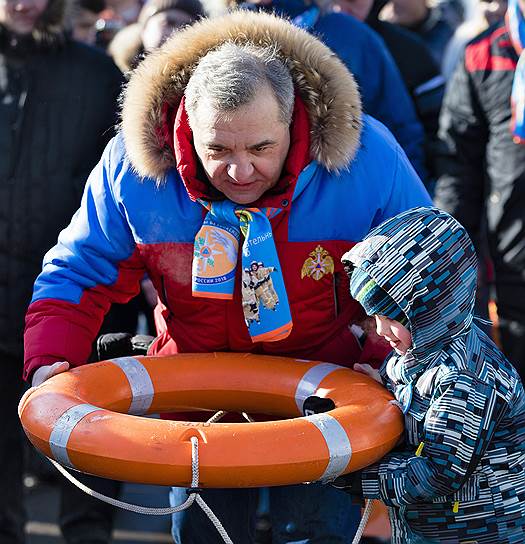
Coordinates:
(243,147)
(383,91)
(459,476)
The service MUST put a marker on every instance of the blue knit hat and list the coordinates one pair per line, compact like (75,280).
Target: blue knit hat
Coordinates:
(374,299)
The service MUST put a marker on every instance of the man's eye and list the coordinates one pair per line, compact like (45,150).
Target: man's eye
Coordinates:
(261,148)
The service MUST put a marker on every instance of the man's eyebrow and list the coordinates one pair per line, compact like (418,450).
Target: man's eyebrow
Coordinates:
(213,145)
(220,147)
(262,144)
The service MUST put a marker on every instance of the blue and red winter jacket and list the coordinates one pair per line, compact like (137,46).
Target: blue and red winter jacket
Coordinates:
(130,224)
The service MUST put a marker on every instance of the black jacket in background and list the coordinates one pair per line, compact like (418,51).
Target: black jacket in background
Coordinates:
(57,111)
(420,72)
(482,171)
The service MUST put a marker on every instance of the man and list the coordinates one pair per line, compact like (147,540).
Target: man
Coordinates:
(383,92)
(483,164)
(84,20)
(57,107)
(261,144)
(433,23)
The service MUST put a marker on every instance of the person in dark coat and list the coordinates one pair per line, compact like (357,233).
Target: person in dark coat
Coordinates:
(482,165)
(383,92)
(157,20)
(434,24)
(419,70)
(57,109)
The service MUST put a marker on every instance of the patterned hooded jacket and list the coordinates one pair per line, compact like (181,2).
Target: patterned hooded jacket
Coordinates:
(460,476)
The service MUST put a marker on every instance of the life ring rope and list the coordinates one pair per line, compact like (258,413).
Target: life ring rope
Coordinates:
(193,495)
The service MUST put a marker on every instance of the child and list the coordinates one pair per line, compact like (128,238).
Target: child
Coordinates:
(460,475)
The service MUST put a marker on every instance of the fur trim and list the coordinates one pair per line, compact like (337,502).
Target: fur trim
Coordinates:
(324,83)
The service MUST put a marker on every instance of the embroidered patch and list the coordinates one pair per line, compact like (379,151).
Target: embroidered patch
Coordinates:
(318,264)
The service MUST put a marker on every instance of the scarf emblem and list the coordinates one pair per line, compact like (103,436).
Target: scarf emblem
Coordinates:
(318,264)
(215,257)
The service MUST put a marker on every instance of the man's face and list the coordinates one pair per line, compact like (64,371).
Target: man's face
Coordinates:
(21,16)
(242,153)
(405,12)
(84,26)
(357,8)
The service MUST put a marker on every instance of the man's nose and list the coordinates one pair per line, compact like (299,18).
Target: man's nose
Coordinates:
(23,5)
(241,170)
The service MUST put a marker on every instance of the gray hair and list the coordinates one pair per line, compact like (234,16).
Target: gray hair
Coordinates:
(231,75)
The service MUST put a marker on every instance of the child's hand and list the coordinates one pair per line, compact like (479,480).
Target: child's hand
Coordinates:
(369,371)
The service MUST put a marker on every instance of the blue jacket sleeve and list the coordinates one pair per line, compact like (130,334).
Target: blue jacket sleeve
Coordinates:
(97,241)
(458,428)
(94,264)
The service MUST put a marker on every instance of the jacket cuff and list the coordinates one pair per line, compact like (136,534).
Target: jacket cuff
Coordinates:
(32,365)
(370,483)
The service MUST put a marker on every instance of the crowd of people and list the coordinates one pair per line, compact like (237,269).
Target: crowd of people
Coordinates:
(139,132)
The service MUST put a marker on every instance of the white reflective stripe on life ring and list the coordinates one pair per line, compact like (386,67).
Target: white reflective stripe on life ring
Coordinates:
(338,443)
(310,382)
(64,427)
(142,389)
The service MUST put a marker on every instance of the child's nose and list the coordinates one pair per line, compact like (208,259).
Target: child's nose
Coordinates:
(380,325)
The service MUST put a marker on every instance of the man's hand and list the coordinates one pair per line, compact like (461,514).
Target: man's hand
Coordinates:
(45,372)
(369,371)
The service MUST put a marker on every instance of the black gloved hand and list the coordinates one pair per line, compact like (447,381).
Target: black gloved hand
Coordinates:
(317,405)
(120,344)
(349,483)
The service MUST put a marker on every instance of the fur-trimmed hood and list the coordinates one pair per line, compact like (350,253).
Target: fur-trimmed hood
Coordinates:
(326,86)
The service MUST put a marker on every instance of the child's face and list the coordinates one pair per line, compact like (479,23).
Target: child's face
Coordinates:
(397,335)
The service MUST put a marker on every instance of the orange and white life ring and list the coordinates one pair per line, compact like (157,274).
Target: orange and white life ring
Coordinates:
(87,419)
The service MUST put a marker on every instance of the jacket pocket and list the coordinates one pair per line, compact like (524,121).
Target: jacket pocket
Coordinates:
(468,492)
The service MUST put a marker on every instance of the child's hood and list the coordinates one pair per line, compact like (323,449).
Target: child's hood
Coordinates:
(424,259)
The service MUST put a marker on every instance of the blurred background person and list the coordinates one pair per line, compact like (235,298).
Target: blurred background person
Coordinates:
(57,110)
(157,20)
(117,15)
(434,24)
(383,92)
(485,13)
(420,72)
(482,166)
(84,19)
